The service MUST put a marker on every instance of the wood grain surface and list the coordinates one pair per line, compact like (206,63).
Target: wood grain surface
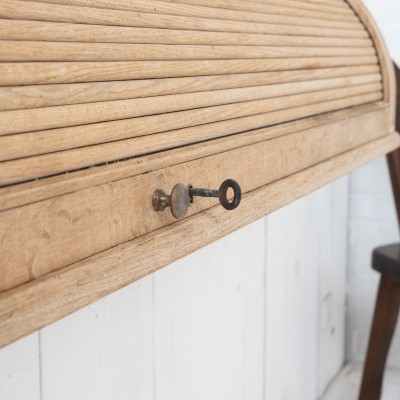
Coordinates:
(387,69)
(36,304)
(282,96)
(33,96)
(102,102)
(70,32)
(259,6)
(31,73)
(17,195)
(120,211)
(138,135)
(101,16)
(187,10)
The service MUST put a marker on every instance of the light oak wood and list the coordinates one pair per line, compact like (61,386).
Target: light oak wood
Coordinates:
(102,102)
(41,302)
(61,13)
(324,5)
(260,7)
(11,51)
(65,161)
(161,7)
(333,3)
(251,102)
(19,97)
(37,143)
(120,211)
(69,32)
(50,73)
(51,187)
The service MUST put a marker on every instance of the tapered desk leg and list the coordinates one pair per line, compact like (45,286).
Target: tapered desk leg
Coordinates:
(383,326)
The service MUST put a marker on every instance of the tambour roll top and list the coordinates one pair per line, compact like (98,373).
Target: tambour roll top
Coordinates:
(87,82)
(102,102)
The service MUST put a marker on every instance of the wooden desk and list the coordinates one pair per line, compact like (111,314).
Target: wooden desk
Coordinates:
(103,103)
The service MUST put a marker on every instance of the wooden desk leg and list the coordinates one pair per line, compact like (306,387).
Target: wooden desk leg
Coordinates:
(383,326)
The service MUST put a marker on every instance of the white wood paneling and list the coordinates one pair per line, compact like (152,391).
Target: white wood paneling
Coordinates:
(20,370)
(305,294)
(332,211)
(104,351)
(209,321)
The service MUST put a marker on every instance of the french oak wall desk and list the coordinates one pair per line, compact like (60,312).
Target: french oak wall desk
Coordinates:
(104,102)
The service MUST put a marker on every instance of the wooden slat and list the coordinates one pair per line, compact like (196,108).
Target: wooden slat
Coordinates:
(324,5)
(260,7)
(49,73)
(67,51)
(160,7)
(115,213)
(51,12)
(55,163)
(51,187)
(17,121)
(41,302)
(30,144)
(17,97)
(333,3)
(68,32)
(58,162)
(321,5)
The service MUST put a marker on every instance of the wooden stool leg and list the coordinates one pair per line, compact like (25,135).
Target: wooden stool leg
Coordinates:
(383,326)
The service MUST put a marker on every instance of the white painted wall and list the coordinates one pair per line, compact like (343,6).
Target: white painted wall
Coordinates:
(257,315)
(305,290)
(372,218)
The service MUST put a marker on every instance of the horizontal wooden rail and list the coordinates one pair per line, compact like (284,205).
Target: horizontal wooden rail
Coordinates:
(48,73)
(18,97)
(67,51)
(277,7)
(60,13)
(69,32)
(330,6)
(250,99)
(36,304)
(114,213)
(165,8)
(67,160)
(331,3)
(51,187)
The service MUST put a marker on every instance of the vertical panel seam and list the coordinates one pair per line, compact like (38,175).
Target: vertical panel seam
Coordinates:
(40,365)
(264,327)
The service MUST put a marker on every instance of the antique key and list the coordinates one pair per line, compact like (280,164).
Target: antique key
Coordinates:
(181,197)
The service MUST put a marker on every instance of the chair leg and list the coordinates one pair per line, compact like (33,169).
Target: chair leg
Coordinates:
(383,326)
